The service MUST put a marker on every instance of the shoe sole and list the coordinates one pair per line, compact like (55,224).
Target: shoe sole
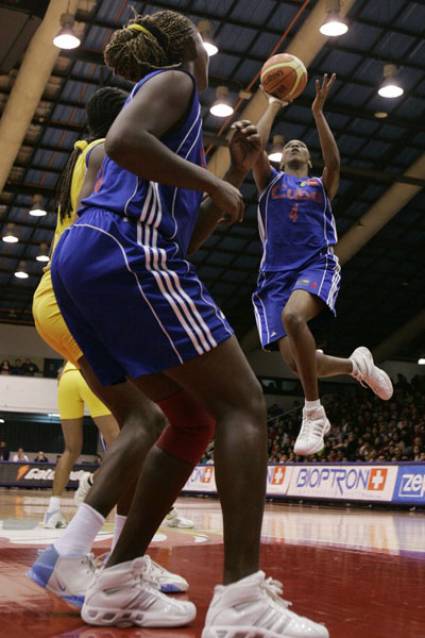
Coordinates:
(251,632)
(75,601)
(169,588)
(130,618)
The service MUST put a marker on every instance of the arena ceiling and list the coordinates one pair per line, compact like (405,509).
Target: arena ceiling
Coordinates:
(383,284)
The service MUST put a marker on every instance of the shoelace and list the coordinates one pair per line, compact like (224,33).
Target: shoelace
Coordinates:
(274,589)
(358,376)
(149,571)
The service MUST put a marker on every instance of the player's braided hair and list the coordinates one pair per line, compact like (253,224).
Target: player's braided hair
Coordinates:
(102,109)
(147,43)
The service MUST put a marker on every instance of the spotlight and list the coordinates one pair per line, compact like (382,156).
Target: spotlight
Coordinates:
(205,29)
(37,209)
(66,37)
(21,271)
(43,254)
(276,151)
(390,86)
(222,106)
(9,234)
(421,361)
(333,25)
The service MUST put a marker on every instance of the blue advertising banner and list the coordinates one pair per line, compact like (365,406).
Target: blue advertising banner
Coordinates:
(410,485)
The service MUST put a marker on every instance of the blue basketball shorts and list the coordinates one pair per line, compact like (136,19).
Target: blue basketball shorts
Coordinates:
(320,277)
(133,306)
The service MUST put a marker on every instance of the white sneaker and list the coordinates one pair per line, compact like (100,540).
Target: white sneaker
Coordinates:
(123,596)
(84,487)
(174,519)
(165,581)
(253,607)
(368,374)
(65,576)
(314,427)
(54,520)
(168,582)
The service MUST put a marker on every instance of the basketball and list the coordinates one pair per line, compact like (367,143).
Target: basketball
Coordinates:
(284,76)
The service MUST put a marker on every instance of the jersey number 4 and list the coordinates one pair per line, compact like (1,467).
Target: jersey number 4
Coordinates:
(293,215)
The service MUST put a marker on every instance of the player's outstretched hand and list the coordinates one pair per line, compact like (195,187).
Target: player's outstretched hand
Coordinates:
(322,90)
(245,145)
(229,200)
(272,99)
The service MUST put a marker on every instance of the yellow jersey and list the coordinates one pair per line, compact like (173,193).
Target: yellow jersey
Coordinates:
(77,181)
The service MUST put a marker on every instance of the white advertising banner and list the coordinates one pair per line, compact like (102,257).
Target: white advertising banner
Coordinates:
(343,482)
(202,480)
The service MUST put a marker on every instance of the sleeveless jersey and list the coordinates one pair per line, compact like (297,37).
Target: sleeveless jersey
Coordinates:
(295,221)
(167,213)
(77,180)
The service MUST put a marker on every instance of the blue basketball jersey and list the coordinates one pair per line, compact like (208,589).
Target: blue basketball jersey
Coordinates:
(295,221)
(166,212)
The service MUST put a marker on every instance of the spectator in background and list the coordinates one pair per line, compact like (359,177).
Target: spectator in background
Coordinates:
(17,367)
(4,451)
(20,457)
(29,368)
(5,367)
(41,458)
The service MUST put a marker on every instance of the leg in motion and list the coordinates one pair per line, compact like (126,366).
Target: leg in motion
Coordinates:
(72,430)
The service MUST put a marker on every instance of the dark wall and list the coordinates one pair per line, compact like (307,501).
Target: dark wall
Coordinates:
(35,432)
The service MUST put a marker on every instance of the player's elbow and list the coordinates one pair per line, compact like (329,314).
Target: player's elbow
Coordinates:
(115,147)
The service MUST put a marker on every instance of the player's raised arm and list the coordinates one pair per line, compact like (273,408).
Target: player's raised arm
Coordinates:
(262,169)
(328,144)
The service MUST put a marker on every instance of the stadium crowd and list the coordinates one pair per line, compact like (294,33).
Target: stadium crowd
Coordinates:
(363,427)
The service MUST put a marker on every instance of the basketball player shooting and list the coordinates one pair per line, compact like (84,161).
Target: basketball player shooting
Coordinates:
(299,272)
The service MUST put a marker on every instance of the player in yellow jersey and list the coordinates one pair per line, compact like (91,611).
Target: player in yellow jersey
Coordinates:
(73,391)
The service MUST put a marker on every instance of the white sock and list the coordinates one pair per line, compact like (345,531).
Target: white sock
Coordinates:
(119,524)
(80,533)
(54,504)
(311,405)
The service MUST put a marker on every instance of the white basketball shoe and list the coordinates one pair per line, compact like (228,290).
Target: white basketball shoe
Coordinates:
(368,374)
(54,520)
(84,486)
(66,576)
(124,595)
(174,519)
(315,426)
(253,607)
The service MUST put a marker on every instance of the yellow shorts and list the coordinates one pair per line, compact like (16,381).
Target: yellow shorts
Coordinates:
(49,322)
(73,393)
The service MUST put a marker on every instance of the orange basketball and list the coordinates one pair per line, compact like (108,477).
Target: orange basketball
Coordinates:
(284,76)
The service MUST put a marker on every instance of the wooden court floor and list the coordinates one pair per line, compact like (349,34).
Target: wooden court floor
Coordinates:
(360,571)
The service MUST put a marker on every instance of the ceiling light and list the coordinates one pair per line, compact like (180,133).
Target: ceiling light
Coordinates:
(390,86)
(2,421)
(334,25)
(276,151)
(421,361)
(21,271)
(37,209)
(205,29)
(66,37)
(381,115)
(43,253)
(9,234)
(222,106)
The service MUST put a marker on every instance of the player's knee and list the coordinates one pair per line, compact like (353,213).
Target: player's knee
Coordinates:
(293,321)
(72,451)
(190,428)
